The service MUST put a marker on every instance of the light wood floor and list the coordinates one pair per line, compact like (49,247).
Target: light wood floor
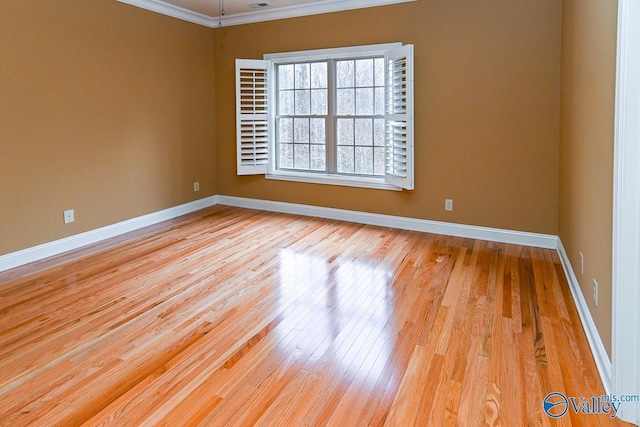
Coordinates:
(239,317)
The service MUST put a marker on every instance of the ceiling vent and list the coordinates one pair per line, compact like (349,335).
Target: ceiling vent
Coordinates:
(259,5)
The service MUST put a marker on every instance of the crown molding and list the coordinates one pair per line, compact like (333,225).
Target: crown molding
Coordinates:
(314,8)
(167,9)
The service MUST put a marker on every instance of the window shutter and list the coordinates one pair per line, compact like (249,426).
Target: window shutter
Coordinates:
(399,117)
(252,116)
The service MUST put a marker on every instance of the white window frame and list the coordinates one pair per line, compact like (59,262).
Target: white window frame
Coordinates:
(403,144)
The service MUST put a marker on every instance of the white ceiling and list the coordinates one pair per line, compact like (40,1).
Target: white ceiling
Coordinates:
(236,12)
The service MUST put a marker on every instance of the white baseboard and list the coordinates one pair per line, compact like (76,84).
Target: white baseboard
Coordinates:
(450,229)
(56,247)
(36,253)
(603,363)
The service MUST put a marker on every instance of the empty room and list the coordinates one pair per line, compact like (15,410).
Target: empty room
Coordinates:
(319,212)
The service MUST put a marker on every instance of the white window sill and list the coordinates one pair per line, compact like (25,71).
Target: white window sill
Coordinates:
(343,180)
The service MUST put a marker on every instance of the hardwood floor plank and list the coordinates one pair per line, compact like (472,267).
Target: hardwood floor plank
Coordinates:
(453,403)
(351,406)
(406,404)
(511,385)
(531,380)
(493,405)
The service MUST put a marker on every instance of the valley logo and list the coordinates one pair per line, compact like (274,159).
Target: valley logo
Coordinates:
(557,404)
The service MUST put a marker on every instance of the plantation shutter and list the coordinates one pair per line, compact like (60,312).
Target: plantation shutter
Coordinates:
(252,116)
(399,117)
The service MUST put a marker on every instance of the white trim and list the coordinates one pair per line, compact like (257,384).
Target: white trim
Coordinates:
(332,53)
(174,11)
(342,180)
(626,212)
(414,224)
(603,364)
(313,8)
(56,247)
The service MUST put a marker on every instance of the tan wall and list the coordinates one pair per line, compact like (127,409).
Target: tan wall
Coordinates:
(586,147)
(109,110)
(104,108)
(487,108)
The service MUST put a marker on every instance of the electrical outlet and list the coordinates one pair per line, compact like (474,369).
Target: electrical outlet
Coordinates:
(595,292)
(581,263)
(448,204)
(196,186)
(69,216)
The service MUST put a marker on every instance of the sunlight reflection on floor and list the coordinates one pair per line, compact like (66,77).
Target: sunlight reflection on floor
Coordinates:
(346,304)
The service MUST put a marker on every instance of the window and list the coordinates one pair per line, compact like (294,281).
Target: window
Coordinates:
(341,116)
(302,113)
